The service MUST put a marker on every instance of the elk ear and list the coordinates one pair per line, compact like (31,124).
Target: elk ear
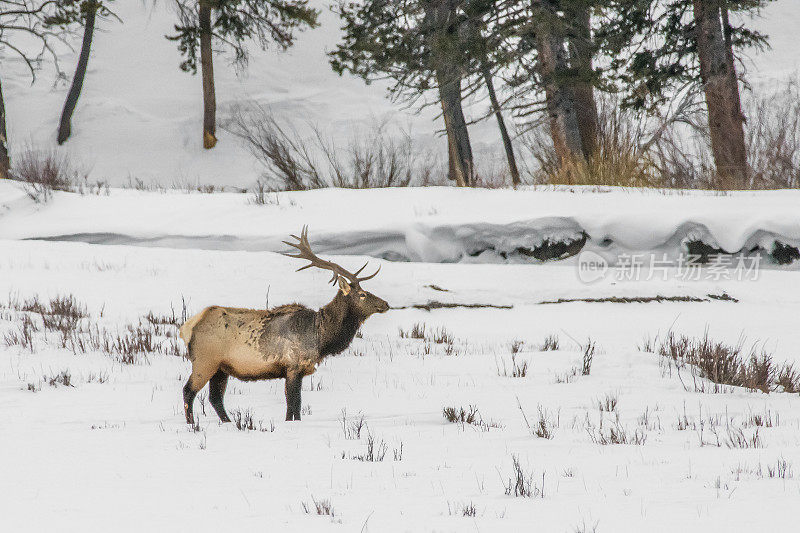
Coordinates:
(344,286)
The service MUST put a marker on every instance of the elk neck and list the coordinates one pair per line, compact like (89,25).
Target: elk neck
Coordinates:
(337,324)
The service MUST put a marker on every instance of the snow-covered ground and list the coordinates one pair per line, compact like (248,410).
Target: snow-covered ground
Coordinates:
(112,450)
(139,116)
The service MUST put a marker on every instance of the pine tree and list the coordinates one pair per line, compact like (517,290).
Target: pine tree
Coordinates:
(486,29)
(661,45)
(233,23)
(552,71)
(421,46)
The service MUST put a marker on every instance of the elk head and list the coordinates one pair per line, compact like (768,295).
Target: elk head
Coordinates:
(362,302)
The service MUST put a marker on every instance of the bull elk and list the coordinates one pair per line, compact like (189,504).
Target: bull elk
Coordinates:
(283,342)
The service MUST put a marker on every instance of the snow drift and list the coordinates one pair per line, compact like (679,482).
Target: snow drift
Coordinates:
(437,225)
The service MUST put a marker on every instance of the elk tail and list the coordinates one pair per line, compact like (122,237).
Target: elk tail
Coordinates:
(186,329)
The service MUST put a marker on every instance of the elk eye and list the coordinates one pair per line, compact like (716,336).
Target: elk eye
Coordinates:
(362,295)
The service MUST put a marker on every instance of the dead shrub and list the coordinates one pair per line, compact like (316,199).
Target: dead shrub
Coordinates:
(243,420)
(518,369)
(132,344)
(521,484)
(616,433)
(773,137)
(78,333)
(781,469)
(569,376)
(164,320)
(100,377)
(550,343)
(63,378)
(788,378)
(767,419)
(729,365)
(62,314)
(417,331)
(645,421)
(586,528)
(545,427)
(588,357)
(464,509)
(672,150)
(23,336)
(736,438)
(608,403)
(470,416)
(67,306)
(441,336)
(352,427)
(380,156)
(460,415)
(45,171)
(376,450)
(321,507)
(619,160)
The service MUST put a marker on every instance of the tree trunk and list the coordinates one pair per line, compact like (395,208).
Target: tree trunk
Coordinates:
(65,127)
(512,161)
(207,67)
(451,160)
(559,94)
(460,149)
(718,73)
(581,59)
(438,30)
(5,162)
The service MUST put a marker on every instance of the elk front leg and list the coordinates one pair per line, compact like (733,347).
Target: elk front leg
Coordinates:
(188,402)
(294,383)
(201,373)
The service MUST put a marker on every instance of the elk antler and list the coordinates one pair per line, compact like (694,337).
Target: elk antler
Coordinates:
(304,252)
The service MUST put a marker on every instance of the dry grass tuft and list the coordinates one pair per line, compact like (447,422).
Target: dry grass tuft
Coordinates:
(379,156)
(244,420)
(77,331)
(470,416)
(550,343)
(728,365)
(321,507)
(521,484)
(588,358)
(673,151)
(45,171)
(517,369)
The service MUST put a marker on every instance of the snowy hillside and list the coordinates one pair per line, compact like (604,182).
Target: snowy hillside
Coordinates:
(139,116)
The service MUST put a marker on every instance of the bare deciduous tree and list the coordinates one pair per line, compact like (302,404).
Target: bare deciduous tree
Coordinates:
(22,22)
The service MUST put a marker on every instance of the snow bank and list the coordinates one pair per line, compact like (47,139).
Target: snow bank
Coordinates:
(428,225)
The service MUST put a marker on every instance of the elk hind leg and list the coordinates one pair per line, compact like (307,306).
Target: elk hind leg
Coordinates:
(216,386)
